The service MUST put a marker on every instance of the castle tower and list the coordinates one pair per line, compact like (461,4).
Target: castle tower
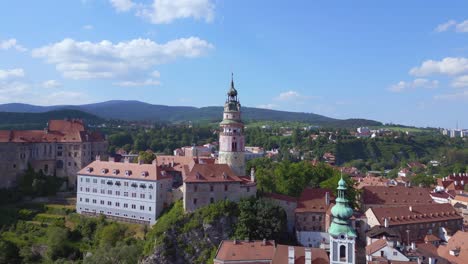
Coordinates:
(342,234)
(231,134)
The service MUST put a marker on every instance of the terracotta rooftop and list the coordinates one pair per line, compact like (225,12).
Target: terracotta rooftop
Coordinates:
(57,131)
(231,250)
(376,246)
(415,214)
(131,171)
(210,173)
(281,197)
(458,245)
(431,238)
(395,195)
(461,198)
(313,200)
(319,256)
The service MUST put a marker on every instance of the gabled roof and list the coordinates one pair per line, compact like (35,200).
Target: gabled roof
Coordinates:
(210,173)
(415,214)
(458,243)
(313,200)
(148,172)
(319,256)
(396,195)
(237,250)
(376,246)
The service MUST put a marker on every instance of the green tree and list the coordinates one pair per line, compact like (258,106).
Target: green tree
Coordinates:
(261,219)
(9,253)
(423,180)
(110,234)
(146,157)
(57,246)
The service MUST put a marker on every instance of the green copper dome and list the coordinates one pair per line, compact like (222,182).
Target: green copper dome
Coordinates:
(341,213)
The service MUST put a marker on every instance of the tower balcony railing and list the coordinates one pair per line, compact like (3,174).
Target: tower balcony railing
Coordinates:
(230,134)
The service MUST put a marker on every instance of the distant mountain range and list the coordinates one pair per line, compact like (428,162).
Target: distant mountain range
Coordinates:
(140,111)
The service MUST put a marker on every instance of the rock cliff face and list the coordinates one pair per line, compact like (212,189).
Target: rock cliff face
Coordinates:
(197,245)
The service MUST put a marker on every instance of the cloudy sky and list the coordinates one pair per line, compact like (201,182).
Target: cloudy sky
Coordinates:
(400,61)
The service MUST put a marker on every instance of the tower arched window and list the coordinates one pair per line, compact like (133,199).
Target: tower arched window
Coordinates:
(342,253)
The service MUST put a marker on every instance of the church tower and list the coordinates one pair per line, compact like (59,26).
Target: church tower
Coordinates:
(231,134)
(342,234)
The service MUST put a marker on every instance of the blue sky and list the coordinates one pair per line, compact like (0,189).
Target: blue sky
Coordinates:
(399,61)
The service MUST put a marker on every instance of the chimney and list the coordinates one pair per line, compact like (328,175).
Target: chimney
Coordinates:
(98,157)
(291,258)
(140,161)
(463,183)
(327,198)
(235,241)
(252,174)
(264,242)
(413,245)
(308,256)
(455,182)
(386,222)
(126,159)
(411,208)
(172,163)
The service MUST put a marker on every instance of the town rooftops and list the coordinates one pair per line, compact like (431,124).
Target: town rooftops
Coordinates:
(456,249)
(57,131)
(415,214)
(314,200)
(210,173)
(395,195)
(124,170)
(237,250)
(318,256)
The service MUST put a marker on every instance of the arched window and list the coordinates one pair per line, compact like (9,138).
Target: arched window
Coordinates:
(59,164)
(342,253)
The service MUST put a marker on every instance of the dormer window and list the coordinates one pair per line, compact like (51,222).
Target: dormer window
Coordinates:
(104,171)
(197,175)
(134,185)
(89,169)
(142,186)
(128,172)
(224,175)
(150,186)
(144,173)
(109,183)
(115,171)
(117,183)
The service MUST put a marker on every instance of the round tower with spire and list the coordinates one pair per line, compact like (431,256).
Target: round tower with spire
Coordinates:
(231,135)
(342,234)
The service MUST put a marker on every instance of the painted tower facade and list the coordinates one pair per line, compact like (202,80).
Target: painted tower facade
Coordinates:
(342,234)
(231,134)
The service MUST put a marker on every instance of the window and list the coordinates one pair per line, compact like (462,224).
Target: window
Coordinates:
(150,196)
(211,188)
(81,199)
(103,181)
(94,180)
(102,202)
(94,201)
(69,163)
(342,253)
(149,208)
(211,200)
(109,203)
(248,189)
(87,189)
(59,153)
(225,187)
(142,207)
(195,188)
(142,195)
(117,204)
(103,191)
(195,201)
(125,194)
(134,195)
(117,193)
(125,206)
(59,164)
(133,206)
(109,192)
(395,253)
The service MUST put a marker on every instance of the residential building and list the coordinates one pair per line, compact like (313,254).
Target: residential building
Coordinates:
(456,249)
(205,184)
(312,217)
(414,222)
(61,149)
(383,249)
(125,191)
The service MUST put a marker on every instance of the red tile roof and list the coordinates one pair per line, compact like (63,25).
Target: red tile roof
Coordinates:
(210,173)
(376,246)
(281,197)
(415,214)
(395,195)
(459,243)
(319,256)
(313,200)
(149,172)
(231,250)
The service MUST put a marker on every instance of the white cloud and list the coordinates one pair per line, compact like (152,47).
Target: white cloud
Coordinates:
(267,106)
(155,74)
(452,24)
(10,74)
(461,81)
(166,11)
(62,97)
(88,60)
(147,82)
(11,44)
(292,96)
(51,84)
(445,26)
(463,95)
(122,5)
(448,66)
(416,83)
(462,27)
(88,27)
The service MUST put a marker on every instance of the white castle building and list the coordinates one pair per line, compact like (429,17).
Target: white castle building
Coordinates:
(125,191)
